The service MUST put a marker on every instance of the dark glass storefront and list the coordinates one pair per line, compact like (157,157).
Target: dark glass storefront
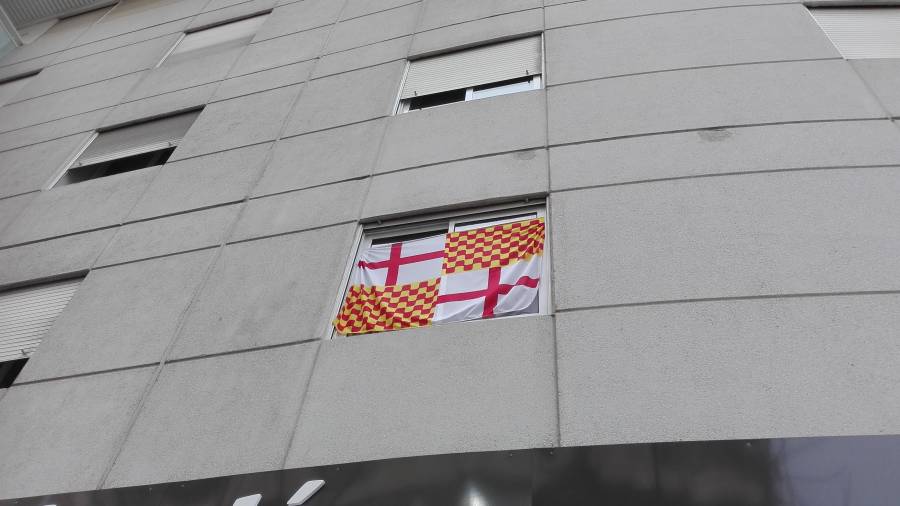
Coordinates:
(833,471)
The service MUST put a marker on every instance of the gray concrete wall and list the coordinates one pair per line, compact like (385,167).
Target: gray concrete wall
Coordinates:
(724,226)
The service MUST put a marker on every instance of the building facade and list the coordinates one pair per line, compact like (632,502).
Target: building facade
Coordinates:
(719,183)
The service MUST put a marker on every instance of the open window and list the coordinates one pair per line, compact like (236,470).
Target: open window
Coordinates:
(26,314)
(863,31)
(215,39)
(471,74)
(447,268)
(128,148)
(11,87)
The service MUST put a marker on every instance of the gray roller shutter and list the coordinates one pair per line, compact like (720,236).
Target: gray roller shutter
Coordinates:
(26,314)
(137,139)
(215,39)
(473,67)
(862,32)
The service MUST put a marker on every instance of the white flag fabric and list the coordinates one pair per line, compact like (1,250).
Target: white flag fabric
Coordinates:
(401,263)
(486,293)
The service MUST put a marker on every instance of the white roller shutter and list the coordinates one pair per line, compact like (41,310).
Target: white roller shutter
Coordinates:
(26,314)
(137,139)
(215,39)
(862,32)
(473,67)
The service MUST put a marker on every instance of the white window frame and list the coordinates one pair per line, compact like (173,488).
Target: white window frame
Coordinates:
(445,223)
(532,83)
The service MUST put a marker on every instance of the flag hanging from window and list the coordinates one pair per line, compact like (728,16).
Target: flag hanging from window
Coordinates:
(458,276)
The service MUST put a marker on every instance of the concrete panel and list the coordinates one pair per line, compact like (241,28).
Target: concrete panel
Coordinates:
(712,97)
(77,207)
(474,386)
(227,14)
(174,234)
(60,36)
(27,67)
(280,51)
(66,103)
(60,436)
(120,316)
(683,40)
(216,416)
(202,181)
(152,32)
(304,209)
(773,147)
(266,292)
(264,80)
(729,370)
(242,121)
(52,130)
(185,74)
(98,67)
(440,13)
(30,168)
(461,130)
(322,157)
(347,98)
(587,11)
(138,14)
(478,32)
(297,17)
(357,8)
(10,207)
(373,28)
(160,105)
(480,180)
(882,76)
(756,234)
(51,258)
(366,56)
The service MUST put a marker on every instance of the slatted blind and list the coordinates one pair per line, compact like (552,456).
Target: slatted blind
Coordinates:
(136,139)
(215,39)
(473,67)
(9,89)
(862,32)
(26,314)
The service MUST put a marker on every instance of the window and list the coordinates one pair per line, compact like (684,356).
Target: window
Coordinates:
(471,74)
(26,314)
(447,268)
(862,32)
(128,148)
(212,40)
(10,88)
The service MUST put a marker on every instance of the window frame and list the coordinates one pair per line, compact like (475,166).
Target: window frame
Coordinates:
(401,106)
(448,222)
(70,161)
(213,26)
(535,82)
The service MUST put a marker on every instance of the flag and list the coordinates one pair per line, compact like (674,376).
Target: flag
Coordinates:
(467,275)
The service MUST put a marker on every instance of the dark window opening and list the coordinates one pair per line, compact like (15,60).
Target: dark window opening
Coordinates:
(435,99)
(10,370)
(408,237)
(117,166)
(503,83)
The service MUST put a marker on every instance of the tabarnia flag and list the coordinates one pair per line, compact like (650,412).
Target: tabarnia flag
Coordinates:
(479,273)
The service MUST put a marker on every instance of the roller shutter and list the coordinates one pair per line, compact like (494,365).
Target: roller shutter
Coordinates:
(215,39)
(26,314)
(137,139)
(862,32)
(473,67)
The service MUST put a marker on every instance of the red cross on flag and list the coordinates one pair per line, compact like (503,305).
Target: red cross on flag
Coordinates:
(479,273)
